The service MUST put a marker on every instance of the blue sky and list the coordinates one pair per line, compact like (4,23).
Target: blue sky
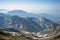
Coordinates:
(34,6)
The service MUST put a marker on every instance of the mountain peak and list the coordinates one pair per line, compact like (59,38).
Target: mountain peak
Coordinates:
(16,11)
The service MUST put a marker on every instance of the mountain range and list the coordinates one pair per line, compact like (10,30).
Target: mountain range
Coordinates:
(17,18)
(37,25)
(22,20)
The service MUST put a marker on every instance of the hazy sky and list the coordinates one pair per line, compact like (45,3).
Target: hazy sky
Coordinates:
(34,6)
